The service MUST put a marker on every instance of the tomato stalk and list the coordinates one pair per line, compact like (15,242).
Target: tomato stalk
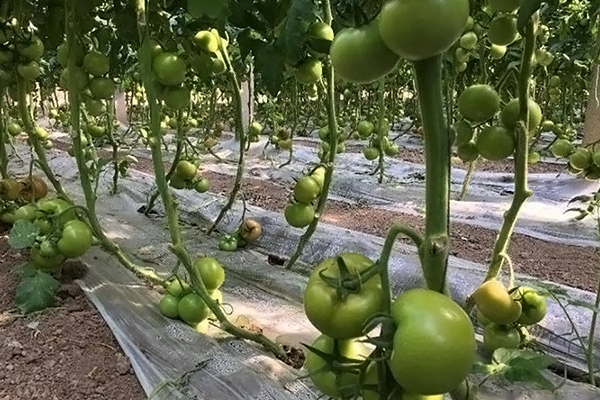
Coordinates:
(240,135)
(177,246)
(39,150)
(381,132)
(178,150)
(3,139)
(295,122)
(84,173)
(114,144)
(521,192)
(333,142)
(435,248)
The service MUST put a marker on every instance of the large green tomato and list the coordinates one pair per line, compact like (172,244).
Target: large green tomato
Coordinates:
(359,54)
(333,383)
(342,318)
(102,88)
(96,63)
(510,114)
(434,346)
(211,271)
(419,29)
(76,239)
(495,143)
(494,301)
(309,72)
(192,309)
(478,103)
(169,69)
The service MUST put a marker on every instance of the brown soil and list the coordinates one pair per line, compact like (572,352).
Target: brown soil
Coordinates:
(416,156)
(571,265)
(66,352)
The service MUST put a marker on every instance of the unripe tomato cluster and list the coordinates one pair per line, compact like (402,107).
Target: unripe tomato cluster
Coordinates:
(460,53)
(379,141)
(254,132)
(181,302)
(60,233)
(506,315)
(281,139)
(301,212)
(479,104)
(429,326)
(186,176)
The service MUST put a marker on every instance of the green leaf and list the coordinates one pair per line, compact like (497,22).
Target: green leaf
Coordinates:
(24,270)
(216,9)
(270,64)
(523,366)
(23,234)
(482,368)
(300,16)
(527,9)
(36,292)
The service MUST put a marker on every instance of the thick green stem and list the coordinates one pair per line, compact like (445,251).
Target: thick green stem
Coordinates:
(84,173)
(177,245)
(435,248)
(239,134)
(39,150)
(3,139)
(114,144)
(380,131)
(180,138)
(522,192)
(295,122)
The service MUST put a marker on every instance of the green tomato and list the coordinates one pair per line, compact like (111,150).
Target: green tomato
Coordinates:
(192,309)
(463,132)
(371,153)
(102,88)
(186,170)
(46,263)
(434,346)
(306,190)
(27,212)
(510,114)
(495,143)
(478,103)
(371,378)
(228,243)
(178,288)
(359,55)
(176,98)
(76,239)
(299,215)
(309,72)
(325,377)
(494,301)
(211,272)
(201,185)
(503,30)
(417,30)
(96,63)
(169,306)
(581,159)
(562,148)
(30,70)
(169,69)
(342,318)
(498,336)
(533,304)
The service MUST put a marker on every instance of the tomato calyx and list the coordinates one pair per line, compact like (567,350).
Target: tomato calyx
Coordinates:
(348,283)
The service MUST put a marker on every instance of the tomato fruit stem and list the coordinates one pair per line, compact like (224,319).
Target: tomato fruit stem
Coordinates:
(240,135)
(3,137)
(333,142)
(435,247)
(521,192)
